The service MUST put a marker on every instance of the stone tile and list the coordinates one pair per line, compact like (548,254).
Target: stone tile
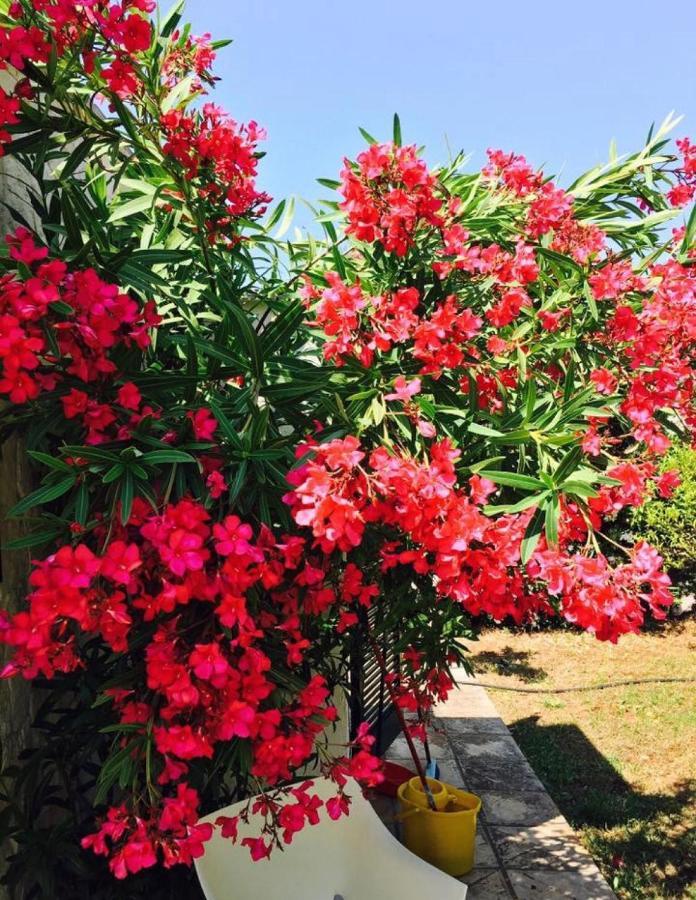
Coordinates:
(481,775)
(450,773)
(495,747)
(468,702)
(552,845)
(539,885)
(518,808)
(484,857)
(458,726)
(485,884)
(440,747)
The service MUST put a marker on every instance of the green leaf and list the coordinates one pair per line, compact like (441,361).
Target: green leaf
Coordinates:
(43,495)
(329,183)
(51,461)
(139,204)
(282,327)
(35,539)
(587,291)
(475,428)
(159,257)
(567,465)
(226,426)
(690,233)
(286,221)
(551,519)
(127,494)
(238,481)
(82,503)
(397,130)
(274,217)
(578,488)
(153,457)
(514,479)
(113,473)
(178,94)
(532,535)
(524,503)
(247,337)
(76,158)
(171,19)
(368,137)
(91,454)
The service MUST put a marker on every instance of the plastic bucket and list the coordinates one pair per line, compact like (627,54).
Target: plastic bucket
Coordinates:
(445,838)
(414,793)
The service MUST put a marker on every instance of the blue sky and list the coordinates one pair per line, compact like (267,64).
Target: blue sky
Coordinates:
(551,79)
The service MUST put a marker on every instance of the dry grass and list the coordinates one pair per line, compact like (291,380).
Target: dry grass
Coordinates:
(620,763)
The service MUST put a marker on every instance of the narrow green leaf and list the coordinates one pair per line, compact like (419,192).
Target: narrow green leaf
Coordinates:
(127,494)
(587,290)
(35,539)
(514,479)
(551,519)
(524,503)
(532,535)
(43,495)
(82,504)
(51,461)
(397,130)
(153,457)
(247,337)
(113,473)
(368,137)
(139,204)
(567,465)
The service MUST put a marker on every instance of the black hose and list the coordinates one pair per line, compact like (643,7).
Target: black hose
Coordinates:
(587,687)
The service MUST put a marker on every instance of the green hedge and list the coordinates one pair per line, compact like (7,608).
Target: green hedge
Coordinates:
(670,525)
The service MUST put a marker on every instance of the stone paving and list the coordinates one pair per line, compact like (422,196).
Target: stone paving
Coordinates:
(525,849)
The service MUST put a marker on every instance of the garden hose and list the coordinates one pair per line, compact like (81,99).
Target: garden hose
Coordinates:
(586,687)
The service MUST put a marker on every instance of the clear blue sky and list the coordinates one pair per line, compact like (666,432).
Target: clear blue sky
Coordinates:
(553,79)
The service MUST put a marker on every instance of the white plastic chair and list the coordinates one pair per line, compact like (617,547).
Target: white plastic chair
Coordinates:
(353,858)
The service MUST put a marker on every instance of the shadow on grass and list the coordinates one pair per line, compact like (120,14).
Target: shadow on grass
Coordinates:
(508,662)
(645,844)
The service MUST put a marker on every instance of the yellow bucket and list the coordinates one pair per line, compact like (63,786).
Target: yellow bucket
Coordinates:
(445,838)
(414,793)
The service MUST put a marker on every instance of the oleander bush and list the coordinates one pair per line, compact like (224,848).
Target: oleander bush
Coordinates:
(251,453)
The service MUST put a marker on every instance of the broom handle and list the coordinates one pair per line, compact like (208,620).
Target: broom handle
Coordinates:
(426,744)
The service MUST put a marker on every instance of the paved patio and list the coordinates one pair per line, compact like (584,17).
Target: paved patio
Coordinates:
(525,848)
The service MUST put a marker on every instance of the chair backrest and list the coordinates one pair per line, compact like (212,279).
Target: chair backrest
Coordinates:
(355,858)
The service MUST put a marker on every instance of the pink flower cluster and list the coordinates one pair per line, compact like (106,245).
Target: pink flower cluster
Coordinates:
(549,209)
(216,153)
(684,190)
(208,675)
(388,195)
(86,317)
(658,340)
(123,29)
(219,157)
(440,531)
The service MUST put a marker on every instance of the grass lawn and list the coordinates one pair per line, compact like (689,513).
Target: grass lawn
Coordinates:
(620,763)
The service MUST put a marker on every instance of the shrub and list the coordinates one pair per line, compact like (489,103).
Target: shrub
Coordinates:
(252,452)
(669,524)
